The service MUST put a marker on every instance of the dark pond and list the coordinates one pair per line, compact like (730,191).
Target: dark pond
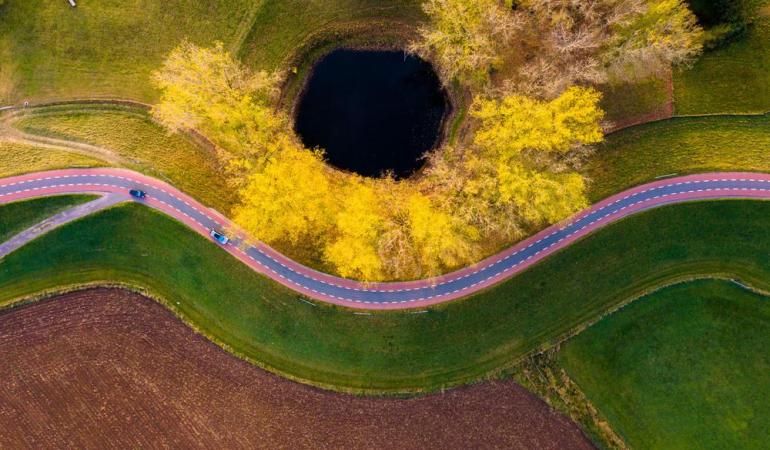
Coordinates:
(372,111)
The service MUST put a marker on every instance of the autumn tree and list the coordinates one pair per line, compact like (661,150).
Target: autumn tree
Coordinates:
(666,33)
(205,89)
(600,41)
(517,122)
(440,240)
(465,38)
(359,225)
(546,46)
(513,176)
(290,200)
(526,137)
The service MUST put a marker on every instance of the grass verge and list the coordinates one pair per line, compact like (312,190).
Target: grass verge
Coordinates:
(684,367)
(18,216)
(281,27)
(397,351)
(145,145)
(17,159)
(680,145)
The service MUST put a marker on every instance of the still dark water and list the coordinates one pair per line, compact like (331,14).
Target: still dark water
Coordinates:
(372,111)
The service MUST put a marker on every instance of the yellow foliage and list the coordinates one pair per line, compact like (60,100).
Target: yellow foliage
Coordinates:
(541,196)
(665,33)
(520,139)
(358,227)
(465,37)
(290,200)
(438,238)
(517,122)
(206,90)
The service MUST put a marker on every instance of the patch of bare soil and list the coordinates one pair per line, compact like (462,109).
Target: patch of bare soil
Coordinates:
(105,368)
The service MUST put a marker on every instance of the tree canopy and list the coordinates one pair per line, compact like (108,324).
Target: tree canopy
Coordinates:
(465,37)
(565,41)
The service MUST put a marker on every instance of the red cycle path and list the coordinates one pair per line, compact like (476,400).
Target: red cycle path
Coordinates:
(426,292)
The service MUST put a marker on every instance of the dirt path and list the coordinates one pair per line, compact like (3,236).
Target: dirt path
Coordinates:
(105,368)
(9,133)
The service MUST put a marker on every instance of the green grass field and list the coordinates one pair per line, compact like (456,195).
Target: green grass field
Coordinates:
(18,216)
(681,145)
(146,146)
(684,368)
(731,79)
(108,48)
(102,48)
(397,351)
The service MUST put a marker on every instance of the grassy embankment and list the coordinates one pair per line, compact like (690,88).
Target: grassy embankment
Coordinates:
(685,367)
(399,351)
(50,51)
(145,146)
(680,145)
(17,159)
(18,216)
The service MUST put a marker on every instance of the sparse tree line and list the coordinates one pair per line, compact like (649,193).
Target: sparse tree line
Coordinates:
(530,66)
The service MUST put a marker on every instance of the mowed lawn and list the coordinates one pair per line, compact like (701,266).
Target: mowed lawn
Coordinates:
(18,216)
(684,368)
(103,47)
(679,146)
(145,145)
(396,351)
(731,79)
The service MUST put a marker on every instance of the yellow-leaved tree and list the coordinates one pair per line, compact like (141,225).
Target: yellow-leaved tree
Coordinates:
(359,225)
(540,196)
(290,200)
(205,89)
(465,37)
(527,138)
(666,32)
(516,123)
(439,239)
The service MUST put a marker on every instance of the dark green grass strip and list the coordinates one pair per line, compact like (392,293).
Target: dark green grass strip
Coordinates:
(396,351)
(686,367)
(17,217)
(682,145)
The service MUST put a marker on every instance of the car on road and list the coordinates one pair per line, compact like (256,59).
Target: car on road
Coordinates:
(136,193)
(219,237)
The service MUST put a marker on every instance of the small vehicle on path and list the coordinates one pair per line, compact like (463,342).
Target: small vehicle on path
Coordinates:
(219,237)
(136,193)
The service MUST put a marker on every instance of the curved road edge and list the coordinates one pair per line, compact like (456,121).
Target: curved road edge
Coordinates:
(390,295)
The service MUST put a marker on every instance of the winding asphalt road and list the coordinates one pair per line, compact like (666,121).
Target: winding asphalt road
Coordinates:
(401,295)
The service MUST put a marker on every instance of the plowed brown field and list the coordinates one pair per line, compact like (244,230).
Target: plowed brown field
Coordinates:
(104,368)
